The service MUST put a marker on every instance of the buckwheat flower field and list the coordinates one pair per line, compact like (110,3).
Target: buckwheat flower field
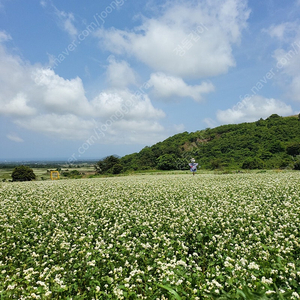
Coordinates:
(208,236)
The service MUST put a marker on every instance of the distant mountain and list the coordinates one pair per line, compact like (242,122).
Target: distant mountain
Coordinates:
(270,143)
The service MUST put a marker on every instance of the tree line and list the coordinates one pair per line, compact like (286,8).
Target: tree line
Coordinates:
(272,143)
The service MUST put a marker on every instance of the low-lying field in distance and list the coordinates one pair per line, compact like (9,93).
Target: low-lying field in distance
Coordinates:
(152,237)
(43,173)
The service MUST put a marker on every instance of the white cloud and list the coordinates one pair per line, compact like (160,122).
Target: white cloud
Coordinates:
(57,94)
(17,107)
(137,132)
(252,109)
(289,76)
(170,86)
(206,31)
(115,113)
(120,74)
(67,126)
(4,37)
(68,20)
(287,60)
(14,80)
(210,122)
(39,100)
(294,88)
(281,31)
(15,138)
(131,105)
(65,20)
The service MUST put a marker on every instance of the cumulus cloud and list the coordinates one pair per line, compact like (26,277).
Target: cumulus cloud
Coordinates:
(14,79)
(38,99)
(18,107)
(252,109)
(67,126)
(170,86)
(187,40)
(56,94)
(135,106)
(119,73)
(287,58)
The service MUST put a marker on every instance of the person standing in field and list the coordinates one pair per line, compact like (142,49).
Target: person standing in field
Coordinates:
(193,166)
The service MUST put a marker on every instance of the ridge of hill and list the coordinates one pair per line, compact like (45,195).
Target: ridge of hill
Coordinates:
(270,143)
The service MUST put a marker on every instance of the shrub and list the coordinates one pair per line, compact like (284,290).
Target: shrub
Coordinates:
(72,174)
(297,165)
(216,164)
(166,162)
(23,173)
(117,169)
(293,149)
(106,164)
(253,163)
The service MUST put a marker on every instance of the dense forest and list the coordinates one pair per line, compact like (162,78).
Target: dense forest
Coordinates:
(265,144)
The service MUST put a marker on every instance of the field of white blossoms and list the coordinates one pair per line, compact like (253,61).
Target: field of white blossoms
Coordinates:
(189,237)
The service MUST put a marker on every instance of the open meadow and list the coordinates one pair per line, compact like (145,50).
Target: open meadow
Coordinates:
(233,236)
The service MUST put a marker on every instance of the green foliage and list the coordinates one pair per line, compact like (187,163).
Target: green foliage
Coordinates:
(297,164)
(268,143)
(216,163)
(275,147)
(72,174)
(253,163)
(107,165)
(117,169)
(23,173)
(166,162)
(293,149)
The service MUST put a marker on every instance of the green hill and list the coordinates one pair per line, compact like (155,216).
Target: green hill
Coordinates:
(270,143)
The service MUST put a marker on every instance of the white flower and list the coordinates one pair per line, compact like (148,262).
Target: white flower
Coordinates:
(253,265)
(91,263)
(268,281)
(11,287)
(179,282)
(269,292)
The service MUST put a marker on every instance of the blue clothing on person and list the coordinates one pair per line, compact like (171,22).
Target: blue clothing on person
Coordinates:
(193,167)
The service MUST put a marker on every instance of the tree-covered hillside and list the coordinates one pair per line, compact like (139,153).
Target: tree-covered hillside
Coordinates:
(270,143)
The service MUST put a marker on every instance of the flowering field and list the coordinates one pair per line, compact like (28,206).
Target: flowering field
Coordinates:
(152,237)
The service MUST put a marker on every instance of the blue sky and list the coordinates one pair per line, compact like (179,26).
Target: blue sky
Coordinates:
(88,79)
